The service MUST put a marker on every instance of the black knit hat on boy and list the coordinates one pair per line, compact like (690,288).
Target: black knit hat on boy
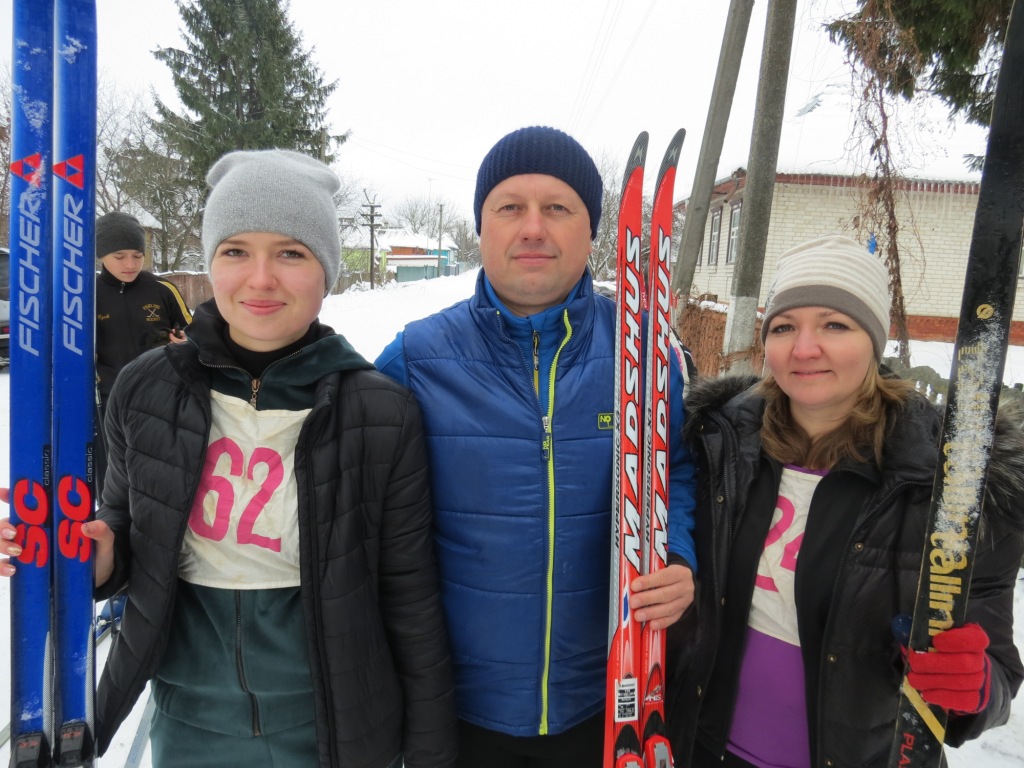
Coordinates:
(274,190)
(539,149)
(834,272)
(118,231)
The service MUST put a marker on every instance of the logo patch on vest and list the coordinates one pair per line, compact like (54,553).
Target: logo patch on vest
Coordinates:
(605,420)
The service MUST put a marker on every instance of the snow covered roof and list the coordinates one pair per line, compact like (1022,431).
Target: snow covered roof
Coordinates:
(400,237)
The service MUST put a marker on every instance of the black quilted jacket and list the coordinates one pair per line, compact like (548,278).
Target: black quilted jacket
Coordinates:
(378,647)
(858,568)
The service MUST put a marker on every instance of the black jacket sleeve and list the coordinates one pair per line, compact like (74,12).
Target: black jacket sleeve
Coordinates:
(410,603)
(113,508)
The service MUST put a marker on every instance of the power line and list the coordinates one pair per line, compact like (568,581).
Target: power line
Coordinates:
(618,71)
(600,45)
(362,140)
(469,176)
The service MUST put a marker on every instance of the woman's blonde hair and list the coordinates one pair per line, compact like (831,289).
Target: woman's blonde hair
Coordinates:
(859,437)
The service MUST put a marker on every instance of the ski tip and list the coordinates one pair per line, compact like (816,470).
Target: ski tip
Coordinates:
(638,154)
(672,152)
(637,158)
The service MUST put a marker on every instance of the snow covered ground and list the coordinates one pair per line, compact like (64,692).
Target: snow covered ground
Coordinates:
(370,319)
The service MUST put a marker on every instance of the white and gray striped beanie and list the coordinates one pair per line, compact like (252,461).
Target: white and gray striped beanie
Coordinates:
(835,272)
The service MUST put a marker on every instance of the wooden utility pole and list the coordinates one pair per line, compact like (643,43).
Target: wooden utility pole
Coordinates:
(736,25)
(760,183)
(371,219)
(440,234)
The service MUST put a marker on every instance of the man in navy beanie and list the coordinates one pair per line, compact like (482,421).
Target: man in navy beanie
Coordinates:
(517,387)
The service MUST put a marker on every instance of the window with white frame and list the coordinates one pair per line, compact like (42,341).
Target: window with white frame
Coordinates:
(716,231)
(734,232)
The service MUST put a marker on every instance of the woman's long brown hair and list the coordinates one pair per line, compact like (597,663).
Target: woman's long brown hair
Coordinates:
(860,436)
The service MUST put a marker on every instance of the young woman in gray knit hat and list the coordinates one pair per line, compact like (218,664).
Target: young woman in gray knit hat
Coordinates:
(815,489)
(267,510)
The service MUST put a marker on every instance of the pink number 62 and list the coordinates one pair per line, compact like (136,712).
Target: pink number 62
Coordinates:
(211,482)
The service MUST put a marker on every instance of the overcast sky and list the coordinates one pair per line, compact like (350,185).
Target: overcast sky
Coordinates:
(426,88)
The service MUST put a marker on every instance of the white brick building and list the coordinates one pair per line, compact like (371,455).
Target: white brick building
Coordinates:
(823,159)
(936,220)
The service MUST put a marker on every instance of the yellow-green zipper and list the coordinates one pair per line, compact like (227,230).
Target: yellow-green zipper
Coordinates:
(549,453)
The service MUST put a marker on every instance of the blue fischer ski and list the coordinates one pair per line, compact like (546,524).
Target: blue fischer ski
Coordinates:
(979,356)
(30,495)
(74,378)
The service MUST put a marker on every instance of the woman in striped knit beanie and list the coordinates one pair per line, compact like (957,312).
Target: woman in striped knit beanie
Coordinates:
(816,488)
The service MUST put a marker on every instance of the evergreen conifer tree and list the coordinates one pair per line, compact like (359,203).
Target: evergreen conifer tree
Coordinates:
(950,48)
(245,82)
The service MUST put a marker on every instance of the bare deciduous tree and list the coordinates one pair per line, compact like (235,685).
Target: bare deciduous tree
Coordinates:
(603,255)
(463,232)
(122,119)
(420,215)
(156,180)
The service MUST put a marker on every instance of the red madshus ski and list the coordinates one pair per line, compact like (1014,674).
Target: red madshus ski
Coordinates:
(74,378)
(622,707)
(979,356)
(30,261)
(657,752)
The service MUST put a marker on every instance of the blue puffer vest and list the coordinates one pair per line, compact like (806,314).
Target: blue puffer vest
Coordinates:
(524,575)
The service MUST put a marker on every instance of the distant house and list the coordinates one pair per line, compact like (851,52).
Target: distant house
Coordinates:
(407,255)
(815,196)
(409,249)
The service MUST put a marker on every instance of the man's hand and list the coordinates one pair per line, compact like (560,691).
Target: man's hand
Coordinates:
(661,598)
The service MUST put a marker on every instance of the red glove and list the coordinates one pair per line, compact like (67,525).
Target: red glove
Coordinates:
(957,673)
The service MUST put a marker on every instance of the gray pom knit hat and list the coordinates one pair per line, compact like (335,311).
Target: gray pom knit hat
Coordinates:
(274,190)
(539,149)
(838,273)
(116,231)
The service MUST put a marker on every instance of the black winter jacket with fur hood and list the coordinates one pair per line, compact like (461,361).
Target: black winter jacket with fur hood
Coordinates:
(858,568)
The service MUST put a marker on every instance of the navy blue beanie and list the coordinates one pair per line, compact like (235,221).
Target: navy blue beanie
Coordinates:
(539,149)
